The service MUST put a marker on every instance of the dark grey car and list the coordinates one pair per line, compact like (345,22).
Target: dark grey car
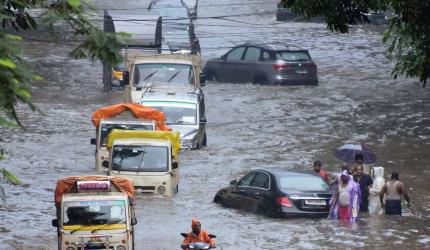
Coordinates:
(266,64)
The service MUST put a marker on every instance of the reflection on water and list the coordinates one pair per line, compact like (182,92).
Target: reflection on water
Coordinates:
(250,126)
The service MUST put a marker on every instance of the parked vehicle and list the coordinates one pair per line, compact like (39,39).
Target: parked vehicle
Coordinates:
(184,108)
(145,36)
(94,212)
(265,64)
(285,14)
(170,69)
(178,27)
(278,193)
(126,116)
(149,158)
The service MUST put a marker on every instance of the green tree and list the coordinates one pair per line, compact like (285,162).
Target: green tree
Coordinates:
(407,34)
(15,75)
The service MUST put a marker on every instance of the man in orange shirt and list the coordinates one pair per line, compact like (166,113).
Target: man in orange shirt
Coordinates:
(197,235)
(318,170)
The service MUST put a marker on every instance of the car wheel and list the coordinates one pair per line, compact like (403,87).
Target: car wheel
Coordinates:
(260,79)
(177,188)
(205,141)
(218,200)
(261,210)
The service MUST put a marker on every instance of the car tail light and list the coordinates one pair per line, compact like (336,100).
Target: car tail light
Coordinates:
(312,66)
(279,66)
(284,201)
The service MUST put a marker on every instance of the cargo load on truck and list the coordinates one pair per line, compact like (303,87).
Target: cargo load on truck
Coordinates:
(125,116)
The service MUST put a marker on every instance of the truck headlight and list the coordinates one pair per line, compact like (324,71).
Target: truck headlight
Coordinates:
(161,189)
(120,248)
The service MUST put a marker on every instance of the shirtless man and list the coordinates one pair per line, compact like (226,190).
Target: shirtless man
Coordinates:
(394,190)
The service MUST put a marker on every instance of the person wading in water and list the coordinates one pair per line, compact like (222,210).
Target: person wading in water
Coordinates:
(394,190)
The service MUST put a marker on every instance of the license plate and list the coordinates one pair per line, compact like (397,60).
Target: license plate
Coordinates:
(315,202)
(301,71)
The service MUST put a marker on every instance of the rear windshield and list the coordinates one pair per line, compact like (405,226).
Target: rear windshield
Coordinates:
(302,183)
(292,55)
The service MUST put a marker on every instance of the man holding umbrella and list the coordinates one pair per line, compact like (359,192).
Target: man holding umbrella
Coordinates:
(356,153)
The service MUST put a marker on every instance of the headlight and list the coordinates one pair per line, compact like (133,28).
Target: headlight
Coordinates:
(120,248)
(161,189)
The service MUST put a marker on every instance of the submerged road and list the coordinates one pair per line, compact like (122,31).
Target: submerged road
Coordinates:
(250,126)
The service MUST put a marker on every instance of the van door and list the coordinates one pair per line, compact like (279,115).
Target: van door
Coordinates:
(175,174)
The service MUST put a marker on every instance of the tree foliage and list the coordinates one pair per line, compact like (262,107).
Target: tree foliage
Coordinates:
(15,74)
(407,34)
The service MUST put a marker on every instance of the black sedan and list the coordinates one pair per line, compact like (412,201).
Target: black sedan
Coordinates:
(264,64)
(278,193)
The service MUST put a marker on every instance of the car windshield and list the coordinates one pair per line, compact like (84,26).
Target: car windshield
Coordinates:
(177,113)
(95,212)
(107,128)
(292,56)
(302,183)
(141,158)
(162,73)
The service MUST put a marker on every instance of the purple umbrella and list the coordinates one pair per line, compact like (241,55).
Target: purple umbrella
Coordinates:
(348,152)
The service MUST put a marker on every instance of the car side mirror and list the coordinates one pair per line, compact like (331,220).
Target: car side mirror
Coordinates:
(212,236)
(133,221)
(105,164)
(224,57)
(175,165)
(202,79)
(233,183)
(93,141)
(125,78)
(203,120)
(55,223)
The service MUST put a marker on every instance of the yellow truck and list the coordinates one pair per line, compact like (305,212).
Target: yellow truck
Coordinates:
(149,158)
(94,212)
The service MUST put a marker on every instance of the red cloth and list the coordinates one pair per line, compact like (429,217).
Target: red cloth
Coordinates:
(324,175)
(344,213)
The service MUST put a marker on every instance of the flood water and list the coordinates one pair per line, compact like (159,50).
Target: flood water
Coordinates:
(249,126)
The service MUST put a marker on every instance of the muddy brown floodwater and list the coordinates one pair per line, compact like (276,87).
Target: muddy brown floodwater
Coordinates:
(250,126)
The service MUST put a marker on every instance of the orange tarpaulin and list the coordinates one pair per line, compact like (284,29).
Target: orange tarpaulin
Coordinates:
(139,111)
(68,185)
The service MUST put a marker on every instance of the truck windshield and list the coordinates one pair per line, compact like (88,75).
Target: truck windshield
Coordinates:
(177,113)
(95,212)
(163,73)
(141,158)
(106,128)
